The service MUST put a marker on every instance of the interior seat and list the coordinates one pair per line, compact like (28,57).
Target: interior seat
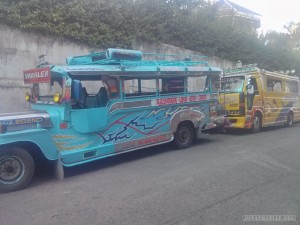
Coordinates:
(83,95)
(102,97)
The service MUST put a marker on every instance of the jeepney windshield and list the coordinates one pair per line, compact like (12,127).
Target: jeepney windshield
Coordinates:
(46,91)
(51,88)
(232,84)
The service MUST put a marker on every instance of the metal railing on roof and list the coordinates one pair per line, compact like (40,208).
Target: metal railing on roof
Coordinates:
(99,58)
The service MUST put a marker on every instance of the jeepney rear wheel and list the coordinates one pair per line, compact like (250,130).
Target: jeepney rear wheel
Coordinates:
(16,169)
(256,125)
(184,135)
(289,120)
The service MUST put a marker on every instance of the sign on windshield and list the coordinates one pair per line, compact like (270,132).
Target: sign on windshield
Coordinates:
(39,75)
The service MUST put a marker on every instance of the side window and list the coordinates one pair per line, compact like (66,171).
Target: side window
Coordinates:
(197,84)
(172,85)
(148,87)
(291,87)
(274,85)
(130,86)
(139,88)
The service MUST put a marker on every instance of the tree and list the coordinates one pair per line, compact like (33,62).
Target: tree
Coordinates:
(191,24)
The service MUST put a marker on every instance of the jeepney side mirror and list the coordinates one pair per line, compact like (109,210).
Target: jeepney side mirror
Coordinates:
(76,90)
(250,89)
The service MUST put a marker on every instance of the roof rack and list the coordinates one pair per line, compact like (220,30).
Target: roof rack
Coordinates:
(126,58)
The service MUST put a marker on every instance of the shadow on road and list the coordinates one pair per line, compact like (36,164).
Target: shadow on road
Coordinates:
(44,172)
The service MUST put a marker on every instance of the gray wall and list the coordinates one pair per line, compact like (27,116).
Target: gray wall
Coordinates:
(21,50)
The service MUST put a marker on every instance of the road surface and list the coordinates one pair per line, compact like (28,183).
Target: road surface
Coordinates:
(222,178)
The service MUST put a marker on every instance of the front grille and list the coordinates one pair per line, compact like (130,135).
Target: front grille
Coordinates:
(234,113)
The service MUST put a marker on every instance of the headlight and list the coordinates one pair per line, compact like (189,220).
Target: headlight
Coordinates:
(56,97)
(27,97)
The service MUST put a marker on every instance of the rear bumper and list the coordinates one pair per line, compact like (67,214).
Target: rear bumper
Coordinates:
(216,123)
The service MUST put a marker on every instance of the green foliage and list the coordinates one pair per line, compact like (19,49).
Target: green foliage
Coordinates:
(191,24)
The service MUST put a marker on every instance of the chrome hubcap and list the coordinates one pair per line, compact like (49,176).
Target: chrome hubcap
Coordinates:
(256,122)
(11,169)
(290,121)
(184,135)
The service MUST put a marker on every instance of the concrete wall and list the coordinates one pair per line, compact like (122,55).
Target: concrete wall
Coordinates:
(169,49)
(21,50)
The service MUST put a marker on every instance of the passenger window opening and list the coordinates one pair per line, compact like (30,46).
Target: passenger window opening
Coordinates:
(274,85)
(198,84)
(172,85)
(139,87)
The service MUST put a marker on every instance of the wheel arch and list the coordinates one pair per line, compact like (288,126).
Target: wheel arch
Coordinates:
(32,148)
(291,110)
(259,112)
(39,140)
(189,122)
(186,116)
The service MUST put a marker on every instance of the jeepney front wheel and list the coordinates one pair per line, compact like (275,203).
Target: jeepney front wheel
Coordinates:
(184,135)
(257,123)
(16,169)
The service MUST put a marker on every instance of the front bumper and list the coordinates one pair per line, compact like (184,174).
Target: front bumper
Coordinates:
(237,122)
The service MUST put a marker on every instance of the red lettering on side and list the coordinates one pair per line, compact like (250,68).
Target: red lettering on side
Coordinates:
(166,101)
(202,97)
(183,99)
(193,98)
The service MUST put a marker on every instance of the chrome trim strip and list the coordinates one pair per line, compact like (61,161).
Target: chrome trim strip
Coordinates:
(132,104)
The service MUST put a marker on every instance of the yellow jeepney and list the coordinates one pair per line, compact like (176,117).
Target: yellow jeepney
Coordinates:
(254,98)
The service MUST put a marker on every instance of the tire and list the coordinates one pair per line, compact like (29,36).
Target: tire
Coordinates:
(289,120)
(184,136)
(16,169)
(256,125)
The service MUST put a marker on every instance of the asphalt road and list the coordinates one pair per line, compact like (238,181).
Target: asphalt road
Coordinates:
(217,181)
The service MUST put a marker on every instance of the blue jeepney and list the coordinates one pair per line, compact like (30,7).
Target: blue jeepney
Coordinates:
(104,104)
